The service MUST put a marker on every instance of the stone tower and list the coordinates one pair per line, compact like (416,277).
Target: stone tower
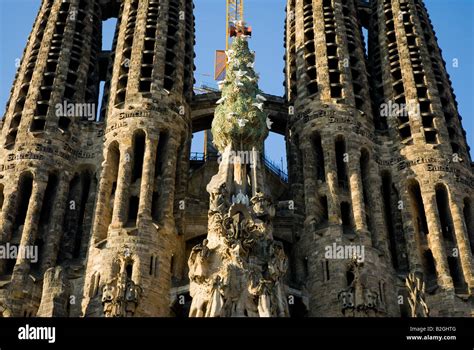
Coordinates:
(433,171)
(58,151)
(47,153)
(106,213)
(333,172)
(377,158)
(136,231)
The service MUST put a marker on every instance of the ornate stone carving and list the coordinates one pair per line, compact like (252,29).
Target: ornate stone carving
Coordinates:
(238,270)
(358,297)
(416,296)
(120,295)
(241,272)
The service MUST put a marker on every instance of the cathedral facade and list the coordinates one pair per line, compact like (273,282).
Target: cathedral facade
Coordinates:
(108,213)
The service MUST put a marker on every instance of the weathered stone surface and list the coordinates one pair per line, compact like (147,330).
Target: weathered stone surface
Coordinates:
(378,166)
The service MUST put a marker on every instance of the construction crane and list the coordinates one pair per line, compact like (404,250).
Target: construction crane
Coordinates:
(235,25)
(234,15)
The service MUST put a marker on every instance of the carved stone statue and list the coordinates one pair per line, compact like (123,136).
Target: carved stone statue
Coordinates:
(262,206)
(219,200)
(240,272)
(217,300)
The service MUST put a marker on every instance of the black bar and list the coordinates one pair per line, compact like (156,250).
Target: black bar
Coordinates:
(376,333)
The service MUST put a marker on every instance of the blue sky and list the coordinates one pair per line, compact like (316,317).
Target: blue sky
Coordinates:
(453,21)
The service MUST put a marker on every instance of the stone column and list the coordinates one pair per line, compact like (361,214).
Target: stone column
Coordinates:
(414,257)
(462,240)
(435,240)
(169,177)
(30,228)
(99,227)
(147,182)
(6,224)
(52,241)
(240,175)
(310,189)
(380,237)
(257,171)
(334,210)
(119,216)
(6,215)
(88,217)
(357,193)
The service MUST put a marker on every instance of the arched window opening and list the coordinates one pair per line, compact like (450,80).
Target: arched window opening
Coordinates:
(319,158)
(366,187)
(456,273)
(132,210)
(467,211)
(129,271)
(419,216)
(47,210)
(2,197)
(341,158)
(48,200)
(150,272)
(161,153)
(346,217)
(138,155)
(349,277)
(444,212)
(25,189)
(393,219)
(323,202)
(326,265)
(431,277)
(86,181)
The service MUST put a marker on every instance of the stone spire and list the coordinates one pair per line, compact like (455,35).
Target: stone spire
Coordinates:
(239,269)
